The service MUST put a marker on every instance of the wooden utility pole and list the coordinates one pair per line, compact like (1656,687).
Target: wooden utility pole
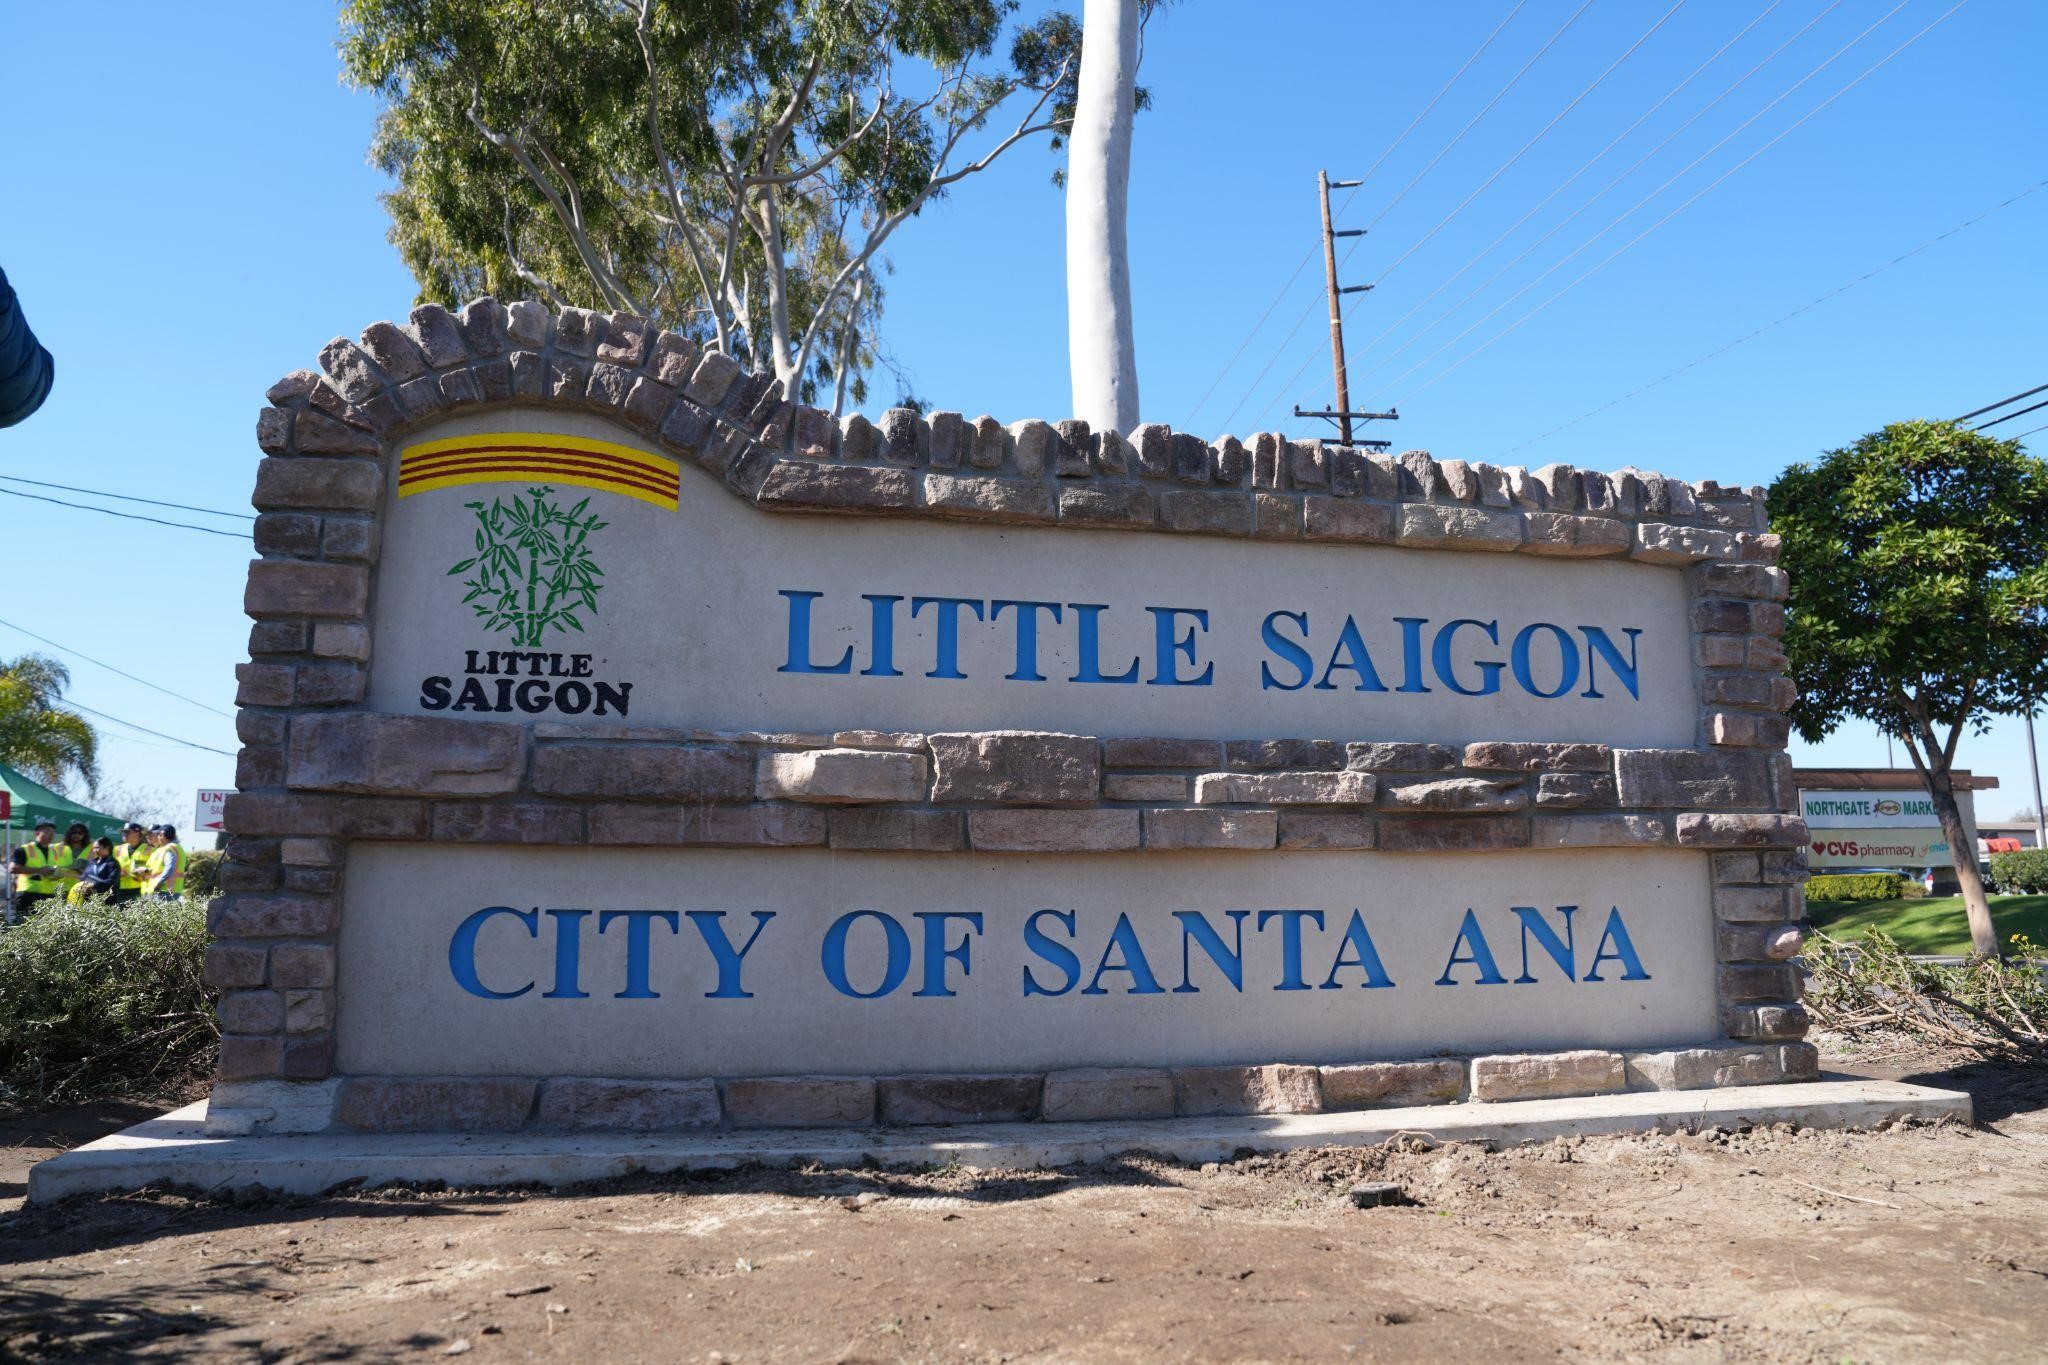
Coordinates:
(1336,311)
(1342,413)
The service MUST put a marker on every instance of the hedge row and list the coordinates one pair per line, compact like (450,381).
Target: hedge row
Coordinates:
(1860,886)
(2021,873)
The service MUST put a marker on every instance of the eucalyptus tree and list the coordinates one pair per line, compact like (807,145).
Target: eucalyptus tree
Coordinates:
(729,168)
(1918,560)
(1102,351)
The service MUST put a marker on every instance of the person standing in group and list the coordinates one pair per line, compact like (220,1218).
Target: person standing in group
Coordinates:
(166,863)
(99,874)
(78,839)
(39,867)
(132,853)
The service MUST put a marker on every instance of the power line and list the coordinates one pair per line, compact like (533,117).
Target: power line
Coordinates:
(1796,312)
(1717,181)
(1309,255)
(225,753)
(2023,435)
(1573,179)
(1608,188)
(65,649)
(1993,407)
(1501,94)
(2010,415)
(1504,166)
(128,497)
(126,516)
(1450,146)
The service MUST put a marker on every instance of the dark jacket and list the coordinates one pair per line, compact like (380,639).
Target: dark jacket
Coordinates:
(100,875)
(26,370)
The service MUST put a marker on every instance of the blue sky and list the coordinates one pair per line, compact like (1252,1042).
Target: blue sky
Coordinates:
(189,215)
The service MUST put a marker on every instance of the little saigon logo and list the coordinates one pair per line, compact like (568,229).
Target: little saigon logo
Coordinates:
(532,569)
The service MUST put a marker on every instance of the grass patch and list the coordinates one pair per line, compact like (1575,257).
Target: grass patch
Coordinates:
(1931,925)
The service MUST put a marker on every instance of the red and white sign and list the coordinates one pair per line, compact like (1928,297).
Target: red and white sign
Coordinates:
(206,812)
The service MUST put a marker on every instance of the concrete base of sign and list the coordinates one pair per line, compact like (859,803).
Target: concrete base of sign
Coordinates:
(174,1149)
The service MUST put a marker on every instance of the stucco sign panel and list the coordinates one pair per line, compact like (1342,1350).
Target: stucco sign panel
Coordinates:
(626,745)
(616,597)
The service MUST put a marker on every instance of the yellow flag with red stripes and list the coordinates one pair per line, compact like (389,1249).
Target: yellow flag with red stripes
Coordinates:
(539,457)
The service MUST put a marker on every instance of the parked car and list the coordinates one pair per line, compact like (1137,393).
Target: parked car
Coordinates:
(1941,881)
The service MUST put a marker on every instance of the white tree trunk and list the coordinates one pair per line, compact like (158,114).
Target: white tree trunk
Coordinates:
(1102,354)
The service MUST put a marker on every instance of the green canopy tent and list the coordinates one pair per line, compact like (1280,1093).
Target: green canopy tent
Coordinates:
(30,801)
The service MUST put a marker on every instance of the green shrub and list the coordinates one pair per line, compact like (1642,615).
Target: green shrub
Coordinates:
(2021,873)
(98,999)
(202,868)
(1862,886)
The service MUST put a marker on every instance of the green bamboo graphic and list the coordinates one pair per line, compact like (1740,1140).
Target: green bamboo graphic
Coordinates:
(532,571)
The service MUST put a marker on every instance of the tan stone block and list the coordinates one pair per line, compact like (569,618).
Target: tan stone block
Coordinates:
(1702,1068)
(800,1101)
(644,772)
(1154,752)
(1547,1075)
(842,775)
(283,587)
(1342,788)
(1144,787)
(1311,829)
(302,964)
(1456,794)
(1601,831)
(341,640)
(1206,827)
(1107,1093)
(917,830)
(1276,1089)
(308,1011)
(254,1011)
(410,755)
(1016,767)
(1391,1085)
(405,1104)
(1451,833)
(639,1106)
(905,1100)
(1053,831)
(1534,758)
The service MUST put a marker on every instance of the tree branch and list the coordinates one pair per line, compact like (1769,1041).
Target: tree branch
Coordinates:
(572,221)
(937,182)
(643,30)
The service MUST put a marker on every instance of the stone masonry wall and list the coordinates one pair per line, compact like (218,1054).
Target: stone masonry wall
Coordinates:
(316,771)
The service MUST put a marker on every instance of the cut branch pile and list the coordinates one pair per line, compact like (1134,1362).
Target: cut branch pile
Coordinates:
(1997,1006)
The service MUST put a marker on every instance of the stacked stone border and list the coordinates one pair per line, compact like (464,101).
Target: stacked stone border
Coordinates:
(316,771)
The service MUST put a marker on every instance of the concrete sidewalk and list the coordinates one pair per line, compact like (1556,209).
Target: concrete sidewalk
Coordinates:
(174,1149)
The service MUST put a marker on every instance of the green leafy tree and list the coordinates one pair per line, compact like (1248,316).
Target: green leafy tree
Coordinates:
(37,735)
(730,168)
(1919,599)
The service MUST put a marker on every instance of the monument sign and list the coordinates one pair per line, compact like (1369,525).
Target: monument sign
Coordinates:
(627,746)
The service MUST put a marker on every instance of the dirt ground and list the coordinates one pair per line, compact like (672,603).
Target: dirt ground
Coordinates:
(1910,1244)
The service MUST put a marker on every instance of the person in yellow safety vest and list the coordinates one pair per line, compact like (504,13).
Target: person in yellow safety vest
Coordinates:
(39,868)
(132,853)
(166,863)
